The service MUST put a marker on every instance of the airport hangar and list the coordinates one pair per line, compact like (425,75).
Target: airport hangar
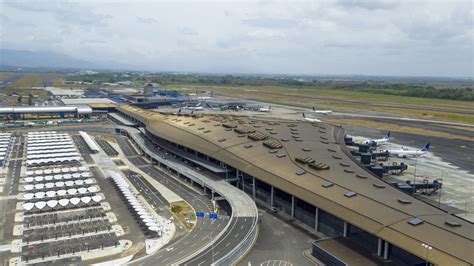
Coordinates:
(305,169)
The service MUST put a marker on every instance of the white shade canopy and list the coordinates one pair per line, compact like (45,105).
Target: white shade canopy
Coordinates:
(61,192)
(75,201)
(28,196)
(28,206)
(82,168)
(30,172)
(58,177)
(146,216)
(49,185)
(48,177)
(76,175)
(86,199)
(40,204)
(71,191)
(97,198)
(69,183)
(51,193)
(29,187)
(79,182)
(148,220)
(59,184)
(152,224)
(63,202)
(29,179)
(52,203)
(39,186)
(89,181)
(48,171)
(39,178)
(73,169)
(67,176)
(92,189)
(154,228)
(56,170)
(85,174)
(38,172)
(40,195)
(82,190)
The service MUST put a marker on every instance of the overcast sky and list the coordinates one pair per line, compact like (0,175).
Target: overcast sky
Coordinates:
(428,38)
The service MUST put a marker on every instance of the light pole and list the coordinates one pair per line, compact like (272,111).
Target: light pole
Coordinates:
(428,248)
(414,175)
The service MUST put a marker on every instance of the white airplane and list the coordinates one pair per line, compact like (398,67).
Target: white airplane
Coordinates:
(376,142)
(324,112)
(403,153)
(265,110)
(204,98)
(310,119)
(198,107)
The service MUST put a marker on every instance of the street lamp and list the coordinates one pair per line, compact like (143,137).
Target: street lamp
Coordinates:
(428,248)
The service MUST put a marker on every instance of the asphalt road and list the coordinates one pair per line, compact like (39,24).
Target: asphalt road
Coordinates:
(233,236)
(11,189)
(278,241)
(108,149)
(185,245)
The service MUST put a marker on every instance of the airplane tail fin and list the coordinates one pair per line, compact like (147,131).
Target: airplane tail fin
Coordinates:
(387,136)
(314,109)
(426,147)
(192,112)
(179,111)
(303,115)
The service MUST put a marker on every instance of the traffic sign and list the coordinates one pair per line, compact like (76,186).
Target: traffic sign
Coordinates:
(199,214)
(213,215)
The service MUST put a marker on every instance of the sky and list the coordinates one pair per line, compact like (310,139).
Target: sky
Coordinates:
(371,37)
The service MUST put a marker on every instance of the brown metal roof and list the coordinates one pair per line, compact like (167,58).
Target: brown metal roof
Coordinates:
(376,208)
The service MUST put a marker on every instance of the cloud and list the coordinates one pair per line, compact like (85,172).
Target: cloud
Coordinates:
(368,4)
(147,20)
(270,23)
(307,37)
(187,31)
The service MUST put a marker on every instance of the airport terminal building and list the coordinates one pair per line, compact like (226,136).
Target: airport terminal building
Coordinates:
(305,170)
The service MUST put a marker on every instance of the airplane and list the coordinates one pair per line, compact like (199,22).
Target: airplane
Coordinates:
(310,119)
(324,112)
(265,110)
(376,142)
(198,107)
(407,153)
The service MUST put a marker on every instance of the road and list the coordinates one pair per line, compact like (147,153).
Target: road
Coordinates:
(10,190)
(204,230)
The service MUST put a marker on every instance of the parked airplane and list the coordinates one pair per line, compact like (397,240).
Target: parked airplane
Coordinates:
(324,112)
(376,142)
(407,153)
(310,119)
(265,110)
(198,107)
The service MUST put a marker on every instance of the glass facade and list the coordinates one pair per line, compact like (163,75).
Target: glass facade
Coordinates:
(363,238)
(403,257)
(330,225)
(305,212)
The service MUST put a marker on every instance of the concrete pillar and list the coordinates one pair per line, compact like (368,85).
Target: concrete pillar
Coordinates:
(253,187)
(292,206)
(379,247)
(385,250)
(316,219)
(192,183)
(237,173)
(272,197)
(346,229)
(212,194)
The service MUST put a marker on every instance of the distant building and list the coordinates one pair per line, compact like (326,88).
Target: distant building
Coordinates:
(151,88)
